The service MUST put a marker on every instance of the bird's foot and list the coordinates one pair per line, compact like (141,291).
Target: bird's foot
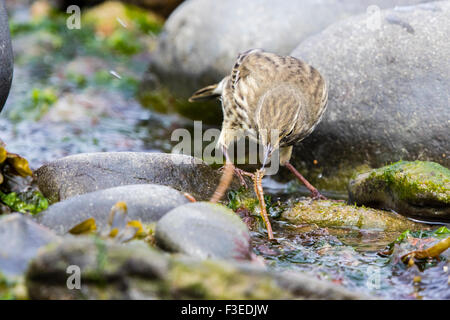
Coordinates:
(240,174)
(316,195)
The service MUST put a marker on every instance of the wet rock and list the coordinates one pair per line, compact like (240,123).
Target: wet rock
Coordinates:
(108,271)
(416,189)
(21,238)
(6,56)
(145,202)
(134,271)
(204,230)
(224,280)
(388,91)
(329,213)
(83,173)
(201,39)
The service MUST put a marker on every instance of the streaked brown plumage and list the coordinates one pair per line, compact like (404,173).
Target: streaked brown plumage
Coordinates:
(265,92)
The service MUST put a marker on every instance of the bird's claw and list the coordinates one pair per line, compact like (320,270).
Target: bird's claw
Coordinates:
(316,195)
(240,174)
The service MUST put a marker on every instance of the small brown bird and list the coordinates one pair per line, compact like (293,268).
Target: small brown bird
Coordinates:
(267,93)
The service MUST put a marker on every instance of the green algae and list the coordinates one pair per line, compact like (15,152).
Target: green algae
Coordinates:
(215,280)
(413,188)
(328,213)
(415,180)
(31,203)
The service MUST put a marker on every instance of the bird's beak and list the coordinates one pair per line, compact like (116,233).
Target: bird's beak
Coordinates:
(267,152)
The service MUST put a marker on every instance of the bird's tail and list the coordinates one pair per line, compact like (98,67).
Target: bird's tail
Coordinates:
(209,92)
(206,93)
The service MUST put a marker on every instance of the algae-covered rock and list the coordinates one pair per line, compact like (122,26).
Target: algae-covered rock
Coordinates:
(135,271)
(220,280)
(329,213)
(417,189)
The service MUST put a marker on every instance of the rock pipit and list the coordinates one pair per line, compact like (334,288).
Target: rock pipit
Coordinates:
(274,100)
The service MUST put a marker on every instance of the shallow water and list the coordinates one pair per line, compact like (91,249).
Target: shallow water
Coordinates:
(350,258)
(346,257)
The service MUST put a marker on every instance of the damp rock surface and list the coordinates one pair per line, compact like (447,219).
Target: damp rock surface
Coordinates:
(204,230)
(416,189)
(83,173)
(146,203)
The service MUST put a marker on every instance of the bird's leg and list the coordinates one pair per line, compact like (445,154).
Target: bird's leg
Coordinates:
(226,178)
(315,194)
(239,172)
(257,180)
(224,183)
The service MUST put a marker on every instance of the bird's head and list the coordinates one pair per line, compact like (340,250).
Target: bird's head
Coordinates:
(270,141)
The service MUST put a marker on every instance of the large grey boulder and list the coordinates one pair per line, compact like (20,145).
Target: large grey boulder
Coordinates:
(88,172)
(6,56)
(204,230)
(388,90)
(202,38)
(145,202)
(20,239)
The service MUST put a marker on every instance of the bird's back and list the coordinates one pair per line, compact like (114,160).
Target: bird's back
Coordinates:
(276,92)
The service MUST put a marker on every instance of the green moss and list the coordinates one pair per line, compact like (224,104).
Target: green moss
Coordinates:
(124,42)
(328,213)
(214,280)
(158,100)
(145,21)
(243,198)
(415,180)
